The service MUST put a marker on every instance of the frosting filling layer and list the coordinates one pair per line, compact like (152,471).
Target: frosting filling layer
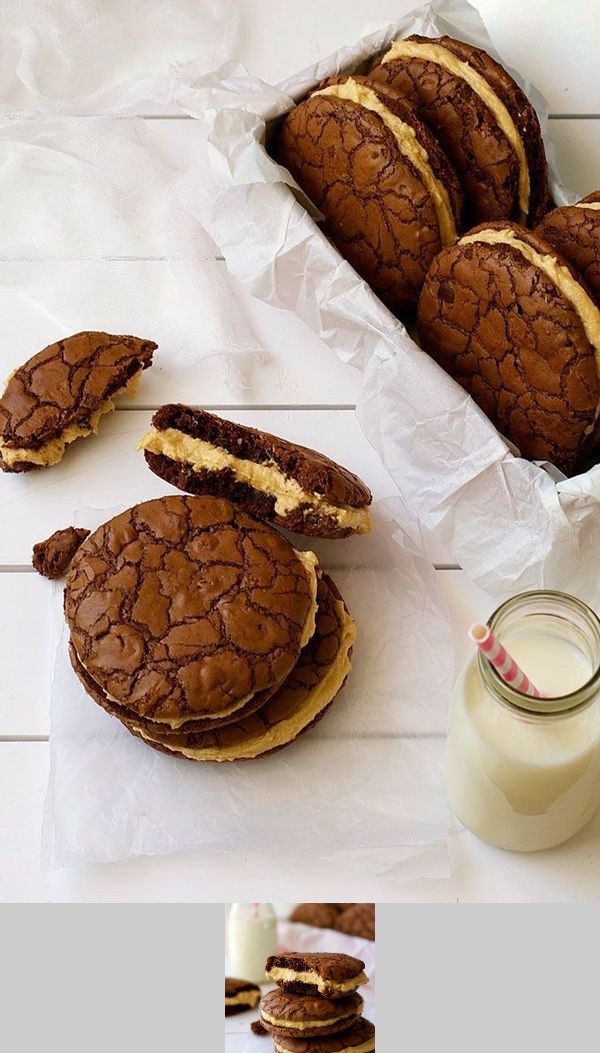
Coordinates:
(266,478)
(441,56)
(409,146)
(52,452)
(310,977)
(250,998)
(305,1025)
(285,730)
(365,1047)
(559,275)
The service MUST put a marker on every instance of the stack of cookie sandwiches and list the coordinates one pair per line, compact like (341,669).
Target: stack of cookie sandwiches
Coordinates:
(435,138)
(354,919)
(316,1007)
(199,625)
(430,173)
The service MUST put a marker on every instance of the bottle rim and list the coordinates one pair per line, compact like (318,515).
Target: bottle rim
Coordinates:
(558,704)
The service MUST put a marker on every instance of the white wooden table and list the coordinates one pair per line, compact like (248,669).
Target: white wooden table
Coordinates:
(556,44)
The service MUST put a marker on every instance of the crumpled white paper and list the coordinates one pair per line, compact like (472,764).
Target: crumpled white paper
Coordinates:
(112,56)
(93,235)
(359,794)
(292,936)
(512,524)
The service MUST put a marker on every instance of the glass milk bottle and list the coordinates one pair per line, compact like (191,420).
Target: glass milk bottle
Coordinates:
(251,938)
(523,773)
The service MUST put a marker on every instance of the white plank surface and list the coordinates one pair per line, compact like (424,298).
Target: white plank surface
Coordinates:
(556,45)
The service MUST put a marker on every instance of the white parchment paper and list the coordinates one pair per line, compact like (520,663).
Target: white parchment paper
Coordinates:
(292,936)
(510,523)
(359,794)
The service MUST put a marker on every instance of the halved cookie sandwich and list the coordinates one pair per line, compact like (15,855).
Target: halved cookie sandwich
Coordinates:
(329,975)
(61,394)
(574,232)
(277,480)
(304,1016)
(299,703)
(360,1038)
(389,195)
(186,613)
(513,322)
(485,123)
(240,995)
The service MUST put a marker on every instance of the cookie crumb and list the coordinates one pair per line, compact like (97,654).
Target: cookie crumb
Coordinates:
(257,1028)
(51,557)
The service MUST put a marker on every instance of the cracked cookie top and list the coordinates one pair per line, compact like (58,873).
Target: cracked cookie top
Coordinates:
(187,607)
(514,324)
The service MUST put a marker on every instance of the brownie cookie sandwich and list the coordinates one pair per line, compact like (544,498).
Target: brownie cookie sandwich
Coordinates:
(61,393)
(329,975)
(282,482)
(513,323)
(240,996)
(319,915)
(357,920)
(388,194)
(287,1015)
(186,613)
(360,1038)
(51,558)
(484,122)
(298,705)
(574,232)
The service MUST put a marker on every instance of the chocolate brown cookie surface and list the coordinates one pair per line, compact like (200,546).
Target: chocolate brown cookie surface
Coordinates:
(357,920)
(269,477)
(61,393)
(51,558)
(360,1038)
(485,123)
(304,1016)
(184,610)
(320,915)
(298,704)
(513,323)
(240,995)
(329,975)
(389,195)
(574,232)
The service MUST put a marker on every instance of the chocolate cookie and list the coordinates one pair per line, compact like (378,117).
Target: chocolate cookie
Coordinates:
(303,1016)
(360,1038)
(320,915)
(485,123)
(277,480)
(512,321)
(61,393)
(186,610)
(51,558)
(240,995)
(574,232)
(358,920)
(299,703)
(389,195)
(329,975)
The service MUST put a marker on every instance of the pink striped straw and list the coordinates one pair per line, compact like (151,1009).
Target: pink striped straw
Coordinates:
(499,657)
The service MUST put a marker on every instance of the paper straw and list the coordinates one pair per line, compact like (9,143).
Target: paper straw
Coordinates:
(499,657)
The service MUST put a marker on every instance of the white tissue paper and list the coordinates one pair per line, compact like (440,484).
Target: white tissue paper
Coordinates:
(292,936)
(112,56)
(511,524)
(93,236)
(359,794)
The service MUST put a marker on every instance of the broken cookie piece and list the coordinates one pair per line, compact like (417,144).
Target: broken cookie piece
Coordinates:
(51,558)
(61,393)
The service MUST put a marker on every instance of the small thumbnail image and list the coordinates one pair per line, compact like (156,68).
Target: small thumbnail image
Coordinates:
(300,977)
